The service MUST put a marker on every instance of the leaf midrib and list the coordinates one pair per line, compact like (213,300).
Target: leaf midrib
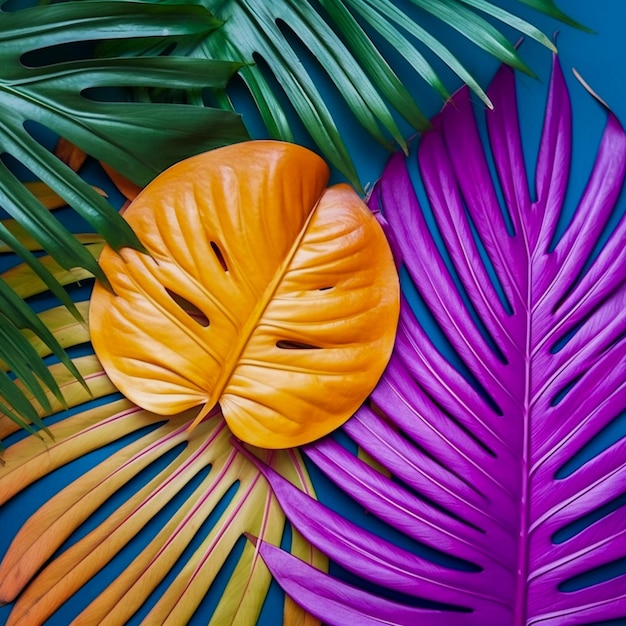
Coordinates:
(233,359)
(521,599)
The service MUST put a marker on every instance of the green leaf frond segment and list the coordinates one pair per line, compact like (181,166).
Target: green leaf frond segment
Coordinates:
(29,387)
(8,236)
(21,315)
(550,8)
(139,139)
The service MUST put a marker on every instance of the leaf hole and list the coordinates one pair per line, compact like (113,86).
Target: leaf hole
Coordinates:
(564,390)
(285,344)
(45,136)
(608,436)
(191,309)
(219,256)
(58,53)
(577,526)
(595,576)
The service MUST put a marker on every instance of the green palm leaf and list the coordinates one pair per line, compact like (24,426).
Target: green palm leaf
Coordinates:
(140,139)
(285,45)
(549,8)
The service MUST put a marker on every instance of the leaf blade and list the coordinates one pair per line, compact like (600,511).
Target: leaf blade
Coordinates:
(251,318)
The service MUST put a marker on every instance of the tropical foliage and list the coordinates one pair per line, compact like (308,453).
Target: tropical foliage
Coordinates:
(473,449)
(485,433)
(50,81)
(202,492)
(477,427)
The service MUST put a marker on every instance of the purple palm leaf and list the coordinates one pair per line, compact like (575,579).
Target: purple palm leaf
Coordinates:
(481,439)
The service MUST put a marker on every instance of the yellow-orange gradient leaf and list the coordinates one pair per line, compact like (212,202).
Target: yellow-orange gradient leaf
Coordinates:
(264,291)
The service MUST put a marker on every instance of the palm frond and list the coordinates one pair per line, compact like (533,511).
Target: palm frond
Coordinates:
(295,40)
(291,47)
(507,372)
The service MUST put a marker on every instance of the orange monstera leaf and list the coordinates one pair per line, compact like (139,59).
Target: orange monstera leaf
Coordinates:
(264,290)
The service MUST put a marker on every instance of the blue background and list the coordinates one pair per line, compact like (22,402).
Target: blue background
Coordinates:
(600,58)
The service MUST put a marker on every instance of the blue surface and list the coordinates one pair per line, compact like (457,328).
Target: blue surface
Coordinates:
(598,57)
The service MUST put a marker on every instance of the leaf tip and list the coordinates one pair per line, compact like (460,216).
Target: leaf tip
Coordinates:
(586,85)
(551,45)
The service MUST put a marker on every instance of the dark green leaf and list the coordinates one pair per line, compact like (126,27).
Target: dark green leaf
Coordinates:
(382,15)
(24,362)
(139,139)
(475,28)
(508,18)
(17,407)
(15,309)
(42,225)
